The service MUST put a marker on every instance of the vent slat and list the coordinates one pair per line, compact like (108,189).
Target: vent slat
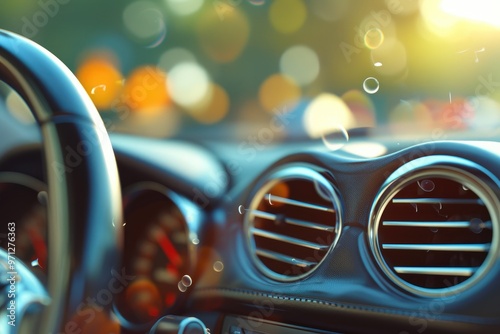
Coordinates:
(443,271)
(285,258)
(306,205)
(440,247)
(444,243)
(293,221)
(437,201)
(287,239)
(436,224)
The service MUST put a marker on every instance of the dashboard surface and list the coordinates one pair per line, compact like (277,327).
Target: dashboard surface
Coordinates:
(251,243)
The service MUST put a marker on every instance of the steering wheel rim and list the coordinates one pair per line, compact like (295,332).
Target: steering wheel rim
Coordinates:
(84,211)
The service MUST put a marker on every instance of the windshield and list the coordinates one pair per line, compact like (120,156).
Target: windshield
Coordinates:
(309,69)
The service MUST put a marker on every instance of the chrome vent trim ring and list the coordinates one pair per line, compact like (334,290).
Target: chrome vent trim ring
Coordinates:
(476,241)
(289,235)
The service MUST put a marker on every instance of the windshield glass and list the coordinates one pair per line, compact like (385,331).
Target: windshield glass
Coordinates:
(306,69)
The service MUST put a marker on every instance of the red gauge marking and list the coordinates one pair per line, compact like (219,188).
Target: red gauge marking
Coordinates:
(169,250)
(153,311)
(170,299)
(39,246)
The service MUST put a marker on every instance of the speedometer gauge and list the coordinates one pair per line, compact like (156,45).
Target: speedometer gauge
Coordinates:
(156,253)
(23,206)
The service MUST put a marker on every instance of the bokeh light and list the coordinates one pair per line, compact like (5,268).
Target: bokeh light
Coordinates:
(326,114)
(300,63)
(257,2)
(277,91)
(366,149)
(287,16)
(174,56)
(144,299)
(102,80)
(243,61)
(223,40)
(435,19)
(184,7)
(145,90)
(487,113)
(214,109)
(189,85)
(280,189)
(144,20)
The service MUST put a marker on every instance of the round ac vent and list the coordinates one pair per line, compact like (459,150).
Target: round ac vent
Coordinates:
(434,226)
(292,223)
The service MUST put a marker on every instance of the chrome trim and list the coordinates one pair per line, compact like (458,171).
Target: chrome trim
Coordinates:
(287,239)
(436,201)
(472,176)
(293,221)
(290,172)
(444,271)
(429,224)
(440,247)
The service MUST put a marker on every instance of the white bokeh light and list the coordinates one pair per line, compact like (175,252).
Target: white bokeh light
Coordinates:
(144,20)
(174,56)
(188,84)
(184,7)
(300,63)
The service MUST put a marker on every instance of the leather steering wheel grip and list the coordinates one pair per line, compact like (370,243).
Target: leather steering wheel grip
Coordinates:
(84,214)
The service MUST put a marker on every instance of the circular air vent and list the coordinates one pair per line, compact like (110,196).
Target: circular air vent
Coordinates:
(292,223)
(434,227)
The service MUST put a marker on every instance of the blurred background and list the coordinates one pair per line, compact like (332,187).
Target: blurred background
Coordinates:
(303,69)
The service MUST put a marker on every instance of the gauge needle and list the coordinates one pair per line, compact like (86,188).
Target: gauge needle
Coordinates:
(169,250)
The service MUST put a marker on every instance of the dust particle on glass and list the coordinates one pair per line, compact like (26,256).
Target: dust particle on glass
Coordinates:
(371,85)
(218,266)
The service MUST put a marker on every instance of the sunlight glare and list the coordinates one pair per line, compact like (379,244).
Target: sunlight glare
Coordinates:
(485,11)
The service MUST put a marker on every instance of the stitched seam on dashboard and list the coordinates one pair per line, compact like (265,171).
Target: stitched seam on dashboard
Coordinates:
(344,306)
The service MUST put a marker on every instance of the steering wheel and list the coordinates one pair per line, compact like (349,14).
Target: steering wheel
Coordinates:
(84,199)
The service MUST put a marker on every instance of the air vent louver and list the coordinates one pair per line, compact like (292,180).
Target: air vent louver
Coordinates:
(432,230)
(292,223)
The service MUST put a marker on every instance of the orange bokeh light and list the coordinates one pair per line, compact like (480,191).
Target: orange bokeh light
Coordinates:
(215,109)
(277,91)
(145,90)
(101,79)
(280,189)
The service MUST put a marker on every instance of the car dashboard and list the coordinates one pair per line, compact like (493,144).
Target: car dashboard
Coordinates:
(294,239)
